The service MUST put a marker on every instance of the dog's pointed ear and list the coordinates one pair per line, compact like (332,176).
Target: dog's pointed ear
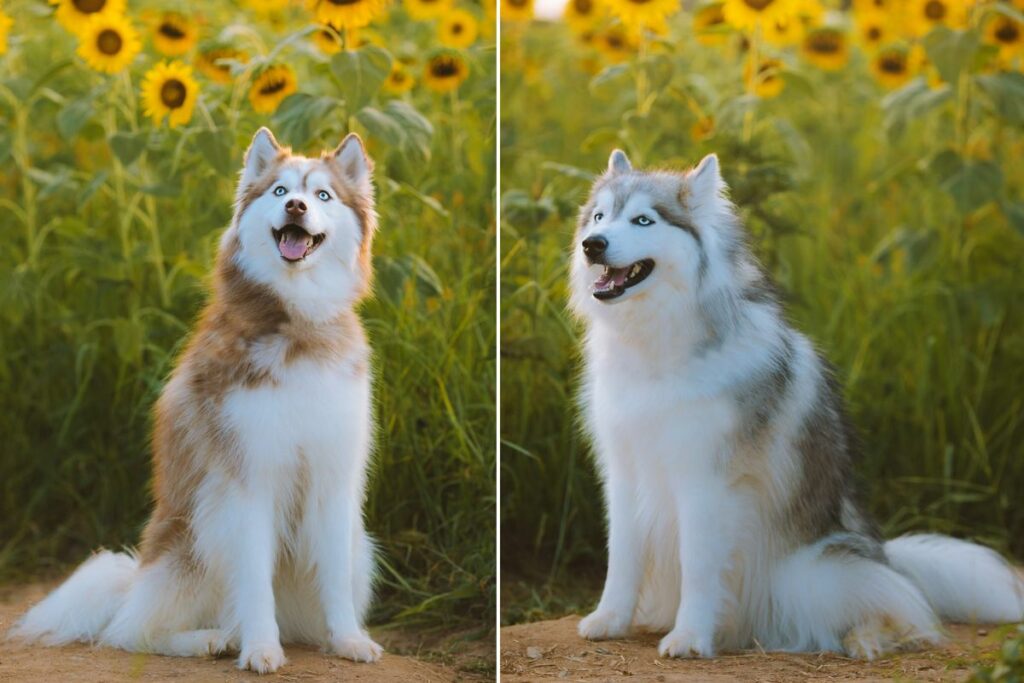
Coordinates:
(351,159)
(618,162)
(706,179)
(262,151)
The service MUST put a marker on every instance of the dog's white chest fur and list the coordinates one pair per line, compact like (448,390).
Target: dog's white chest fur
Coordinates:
(310,414)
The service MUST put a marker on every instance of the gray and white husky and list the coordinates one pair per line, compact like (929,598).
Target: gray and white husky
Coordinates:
(726,454)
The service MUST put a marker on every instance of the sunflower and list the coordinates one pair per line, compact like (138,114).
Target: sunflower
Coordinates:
(458,28)
(445,72)
(5,28)
(892,66)
(642,13)
(784,32)
(811,12)
(873,30)
(266,6)
(108,43)
(271,87)
(399,80)
(826,48)
(72,14)
(214,63)
(516,10)
(747,14)
(924,15)
(174,34)
(709,25)
(1006,33)
(767,81)
(356,38)
(422,10)
(582,15)
(616,43)
(347,13)
(885,7)
(169,91)
(328,39)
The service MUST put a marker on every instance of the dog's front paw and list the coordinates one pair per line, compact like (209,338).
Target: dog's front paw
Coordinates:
(263,658)
(684,642)
(358,647)
(604,624)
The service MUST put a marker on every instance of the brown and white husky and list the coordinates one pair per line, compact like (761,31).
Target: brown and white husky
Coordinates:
(261,442)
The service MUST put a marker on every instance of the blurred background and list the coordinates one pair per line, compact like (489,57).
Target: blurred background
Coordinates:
(874,151)
(122,129)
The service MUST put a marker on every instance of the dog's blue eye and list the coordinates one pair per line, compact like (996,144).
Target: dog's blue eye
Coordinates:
(279,190)
(323,194)
(598,216)
(643,220)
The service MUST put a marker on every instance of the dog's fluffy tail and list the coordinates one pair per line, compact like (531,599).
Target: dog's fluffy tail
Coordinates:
(962,581)
(83,605)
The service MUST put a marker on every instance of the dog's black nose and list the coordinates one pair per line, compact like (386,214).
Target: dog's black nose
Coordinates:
(295,207)
(594,247)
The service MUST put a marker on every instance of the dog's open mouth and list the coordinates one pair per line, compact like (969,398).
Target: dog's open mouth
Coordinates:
(614,282)
(295,243)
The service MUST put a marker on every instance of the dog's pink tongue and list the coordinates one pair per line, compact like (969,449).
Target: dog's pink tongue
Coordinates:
(293,246)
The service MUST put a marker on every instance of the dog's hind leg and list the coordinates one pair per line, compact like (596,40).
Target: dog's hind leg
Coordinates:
(839,594)
(165,603)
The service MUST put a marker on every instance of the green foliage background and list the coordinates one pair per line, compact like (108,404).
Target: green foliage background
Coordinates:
(110,227)
(893,223)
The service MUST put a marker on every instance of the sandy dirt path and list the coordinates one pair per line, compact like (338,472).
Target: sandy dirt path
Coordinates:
(86,664)
(552,650)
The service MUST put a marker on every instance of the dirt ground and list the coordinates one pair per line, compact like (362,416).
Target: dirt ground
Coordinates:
(553,650)
(409,657)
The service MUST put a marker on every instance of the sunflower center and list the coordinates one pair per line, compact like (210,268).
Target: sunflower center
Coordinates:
(824,43)
(615,41)
(639,2)
(444,68)
(874,33)
(89,6)
(398,77)
(892,64)
(344,2)
(935,10)
(109,41)
(1007,33)
(758,5)
(583,6)
(518,3)
(273,87)
(172,93)
(456,28)
(169,30)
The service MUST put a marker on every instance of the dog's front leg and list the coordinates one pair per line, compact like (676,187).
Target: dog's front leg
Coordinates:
(614,612)
(245,523)
(706,514)
(335,527)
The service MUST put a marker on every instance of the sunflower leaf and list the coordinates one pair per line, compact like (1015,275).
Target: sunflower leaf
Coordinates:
(127,146)
(951,51)
(1006,91)
(360,73)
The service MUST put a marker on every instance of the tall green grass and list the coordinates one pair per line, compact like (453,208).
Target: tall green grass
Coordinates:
(912,289)
(104,270)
